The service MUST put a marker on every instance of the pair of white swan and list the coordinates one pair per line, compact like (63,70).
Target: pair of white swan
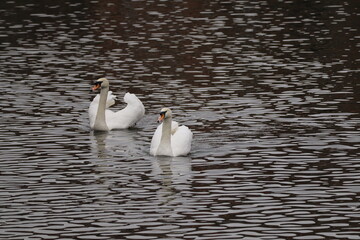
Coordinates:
(168,140)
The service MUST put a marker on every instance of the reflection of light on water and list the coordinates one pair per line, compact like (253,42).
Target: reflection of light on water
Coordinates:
(271,105)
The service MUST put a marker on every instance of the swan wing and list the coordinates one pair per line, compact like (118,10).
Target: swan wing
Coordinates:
(110,99)
(174,127)
(128,116)
(181,141)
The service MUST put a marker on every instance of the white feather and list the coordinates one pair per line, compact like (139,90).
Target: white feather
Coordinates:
(181,138)
(124,118)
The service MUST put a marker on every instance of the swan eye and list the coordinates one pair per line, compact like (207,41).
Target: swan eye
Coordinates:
(162,113)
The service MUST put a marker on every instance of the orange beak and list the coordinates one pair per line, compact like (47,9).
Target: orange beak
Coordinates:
(96,86)
(161,117)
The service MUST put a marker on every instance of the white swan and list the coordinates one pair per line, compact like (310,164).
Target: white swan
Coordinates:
(169,139)
(103,119)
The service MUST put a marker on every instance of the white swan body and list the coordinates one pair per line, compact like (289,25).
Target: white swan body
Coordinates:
(103,119)
(169,139)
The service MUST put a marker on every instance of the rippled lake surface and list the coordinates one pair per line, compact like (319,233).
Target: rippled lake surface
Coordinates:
(270,90)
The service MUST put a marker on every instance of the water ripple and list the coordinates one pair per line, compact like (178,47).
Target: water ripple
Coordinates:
(268,89)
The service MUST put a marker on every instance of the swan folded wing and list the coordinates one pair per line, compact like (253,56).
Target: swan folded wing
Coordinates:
(110,99)
(181,141)
(128,116)
(174,127)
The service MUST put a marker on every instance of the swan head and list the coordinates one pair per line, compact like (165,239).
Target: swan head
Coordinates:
(100,83)
(164,113)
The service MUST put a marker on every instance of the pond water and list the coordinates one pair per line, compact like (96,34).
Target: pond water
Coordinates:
(270,90)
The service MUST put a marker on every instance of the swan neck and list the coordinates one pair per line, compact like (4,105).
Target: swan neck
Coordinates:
(100,121)
(165,141)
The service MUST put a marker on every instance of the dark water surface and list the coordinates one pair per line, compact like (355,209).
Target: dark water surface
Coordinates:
(270,90)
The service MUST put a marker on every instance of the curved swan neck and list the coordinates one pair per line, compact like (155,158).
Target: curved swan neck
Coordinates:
(165,142)
(100,121)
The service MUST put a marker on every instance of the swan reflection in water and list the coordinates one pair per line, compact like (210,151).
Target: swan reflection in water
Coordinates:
(115,143)
(175,174)
(100,144)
